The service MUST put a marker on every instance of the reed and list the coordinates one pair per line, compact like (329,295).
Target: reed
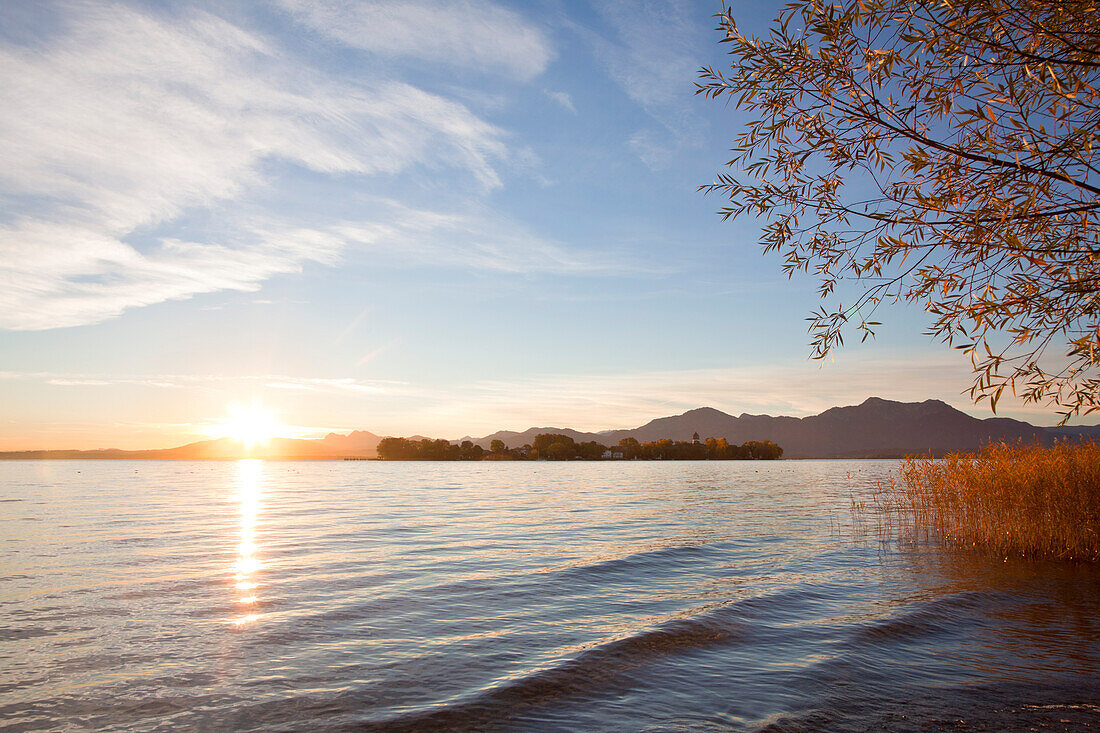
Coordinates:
(1012,500)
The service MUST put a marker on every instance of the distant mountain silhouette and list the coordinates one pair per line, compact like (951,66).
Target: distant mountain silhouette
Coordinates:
(877,428)
(357,444)
(514,440)
(1080,432)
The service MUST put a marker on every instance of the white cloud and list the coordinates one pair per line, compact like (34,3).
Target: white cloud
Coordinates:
(654,59)
(123,120)
(397,234)
(67,275)
(626,400)
(181,381)
(466,33)
(656,149)
(563,99)
(330,385)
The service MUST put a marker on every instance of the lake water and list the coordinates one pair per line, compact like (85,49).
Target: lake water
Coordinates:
(309,596)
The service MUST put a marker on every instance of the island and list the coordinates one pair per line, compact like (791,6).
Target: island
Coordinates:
(559,447)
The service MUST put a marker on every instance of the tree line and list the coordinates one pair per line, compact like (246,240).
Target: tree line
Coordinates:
(558,447)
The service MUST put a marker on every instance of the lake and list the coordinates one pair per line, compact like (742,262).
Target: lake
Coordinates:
(660,596)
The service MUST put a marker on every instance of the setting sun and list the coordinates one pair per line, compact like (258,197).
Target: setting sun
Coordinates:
(250,424)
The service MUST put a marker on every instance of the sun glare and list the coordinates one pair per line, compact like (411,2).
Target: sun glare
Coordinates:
(252,425)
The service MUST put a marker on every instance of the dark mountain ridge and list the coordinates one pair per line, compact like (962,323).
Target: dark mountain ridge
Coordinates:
(875,428)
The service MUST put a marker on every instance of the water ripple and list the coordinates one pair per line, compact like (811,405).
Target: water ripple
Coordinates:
(610,596)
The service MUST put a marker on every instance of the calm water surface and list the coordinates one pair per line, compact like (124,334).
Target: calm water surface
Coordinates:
(515,596)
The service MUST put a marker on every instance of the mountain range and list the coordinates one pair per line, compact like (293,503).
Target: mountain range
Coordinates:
(877,428)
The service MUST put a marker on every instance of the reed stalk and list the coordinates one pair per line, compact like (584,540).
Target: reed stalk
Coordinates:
(1012,500)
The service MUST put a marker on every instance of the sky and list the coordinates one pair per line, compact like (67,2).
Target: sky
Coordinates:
(444,218)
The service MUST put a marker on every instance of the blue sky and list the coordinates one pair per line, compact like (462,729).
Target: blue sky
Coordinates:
(433,217)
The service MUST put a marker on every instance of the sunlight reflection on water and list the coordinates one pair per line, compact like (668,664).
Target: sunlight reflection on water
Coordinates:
(249,477)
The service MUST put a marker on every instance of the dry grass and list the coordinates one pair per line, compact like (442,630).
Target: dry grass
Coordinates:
(1011,500)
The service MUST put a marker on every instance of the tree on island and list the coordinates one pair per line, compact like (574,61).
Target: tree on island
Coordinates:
(403,449)
(944,154)
(554,446)
(631,448)
(468,451)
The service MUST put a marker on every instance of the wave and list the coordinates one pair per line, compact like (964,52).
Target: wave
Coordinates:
(935,617)
(603,669)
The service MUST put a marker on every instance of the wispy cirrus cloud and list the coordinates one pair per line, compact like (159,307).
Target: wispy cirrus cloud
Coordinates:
(653,56)
(587,401)
(184,381)
(796,389)
(59,275)
(596,402)
(467,33)
(396,234)
(562,98)
(590,402)
(121,120)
